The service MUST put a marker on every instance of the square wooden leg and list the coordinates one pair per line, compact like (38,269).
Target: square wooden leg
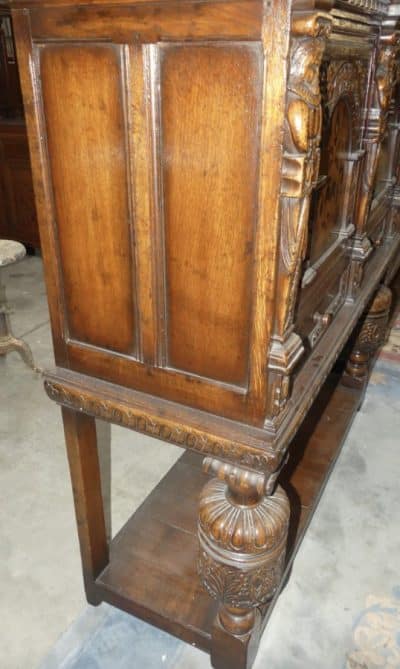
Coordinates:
(81,442)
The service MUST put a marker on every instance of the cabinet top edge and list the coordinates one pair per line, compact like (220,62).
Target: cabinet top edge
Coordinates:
(28,4)
(376,6)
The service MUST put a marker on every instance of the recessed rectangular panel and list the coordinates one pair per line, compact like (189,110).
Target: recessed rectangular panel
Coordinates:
(210,115)
(83,107)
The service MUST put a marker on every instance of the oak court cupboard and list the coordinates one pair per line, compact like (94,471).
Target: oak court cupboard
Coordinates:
(218,198)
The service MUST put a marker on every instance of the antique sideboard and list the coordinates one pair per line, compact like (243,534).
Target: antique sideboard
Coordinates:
(217,186)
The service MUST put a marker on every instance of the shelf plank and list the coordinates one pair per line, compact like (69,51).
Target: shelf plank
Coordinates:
(152,570)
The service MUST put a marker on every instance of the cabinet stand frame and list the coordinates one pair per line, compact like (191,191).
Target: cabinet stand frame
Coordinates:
(160,541)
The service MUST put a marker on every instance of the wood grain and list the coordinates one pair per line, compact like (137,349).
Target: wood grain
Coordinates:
(90,193)
(159,543)
(81,442)
(210,127)
(326,224)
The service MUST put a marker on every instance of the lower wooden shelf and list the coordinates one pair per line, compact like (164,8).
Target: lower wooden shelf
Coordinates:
(152,569)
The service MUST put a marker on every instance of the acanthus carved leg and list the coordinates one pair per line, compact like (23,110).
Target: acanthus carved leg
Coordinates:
(242,535)
(371,335)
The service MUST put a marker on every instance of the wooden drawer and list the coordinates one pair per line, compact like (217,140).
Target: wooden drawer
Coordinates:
(321,299)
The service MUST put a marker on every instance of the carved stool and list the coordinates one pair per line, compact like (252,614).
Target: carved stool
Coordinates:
(11,252)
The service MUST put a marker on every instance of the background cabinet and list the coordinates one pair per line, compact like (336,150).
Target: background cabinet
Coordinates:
(17,205)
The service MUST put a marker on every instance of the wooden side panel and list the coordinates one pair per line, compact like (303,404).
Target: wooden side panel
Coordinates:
(83,107)
(210,113)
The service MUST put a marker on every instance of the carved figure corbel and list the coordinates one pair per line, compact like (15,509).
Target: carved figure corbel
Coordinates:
(386,70)
(385,75)
(302,137)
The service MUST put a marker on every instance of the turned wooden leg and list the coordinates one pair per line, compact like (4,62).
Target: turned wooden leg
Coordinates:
(242,536)
(372,334)
(81,442)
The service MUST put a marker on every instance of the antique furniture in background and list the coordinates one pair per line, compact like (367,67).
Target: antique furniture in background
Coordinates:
(218,198)
(11,252)
(17,202)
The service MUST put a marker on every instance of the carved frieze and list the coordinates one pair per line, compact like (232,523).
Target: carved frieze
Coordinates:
(135,419)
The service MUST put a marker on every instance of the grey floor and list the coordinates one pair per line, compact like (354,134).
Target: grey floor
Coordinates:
(340,609)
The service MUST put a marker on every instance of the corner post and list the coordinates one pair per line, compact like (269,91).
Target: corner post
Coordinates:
(302,138)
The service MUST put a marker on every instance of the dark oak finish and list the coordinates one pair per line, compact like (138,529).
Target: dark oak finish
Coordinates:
(210,167)
(218,193)
(159,543)
(91,207)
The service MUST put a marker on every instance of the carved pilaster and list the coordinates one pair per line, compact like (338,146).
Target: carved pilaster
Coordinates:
(371,335)
(242,535)
(299,174)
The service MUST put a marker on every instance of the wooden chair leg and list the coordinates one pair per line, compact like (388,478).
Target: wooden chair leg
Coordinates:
(242,535)
(372,334)
(81,442)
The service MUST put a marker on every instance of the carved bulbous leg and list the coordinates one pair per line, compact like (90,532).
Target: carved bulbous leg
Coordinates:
(371,336)
(242,536)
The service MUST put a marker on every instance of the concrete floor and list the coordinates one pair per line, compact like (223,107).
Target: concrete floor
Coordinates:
(351,551)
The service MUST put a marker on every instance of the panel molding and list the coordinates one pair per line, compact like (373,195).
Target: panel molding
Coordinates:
(79,292)
(186,174)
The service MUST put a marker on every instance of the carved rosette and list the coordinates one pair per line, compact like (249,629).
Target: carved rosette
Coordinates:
(302,137)
(242,536)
